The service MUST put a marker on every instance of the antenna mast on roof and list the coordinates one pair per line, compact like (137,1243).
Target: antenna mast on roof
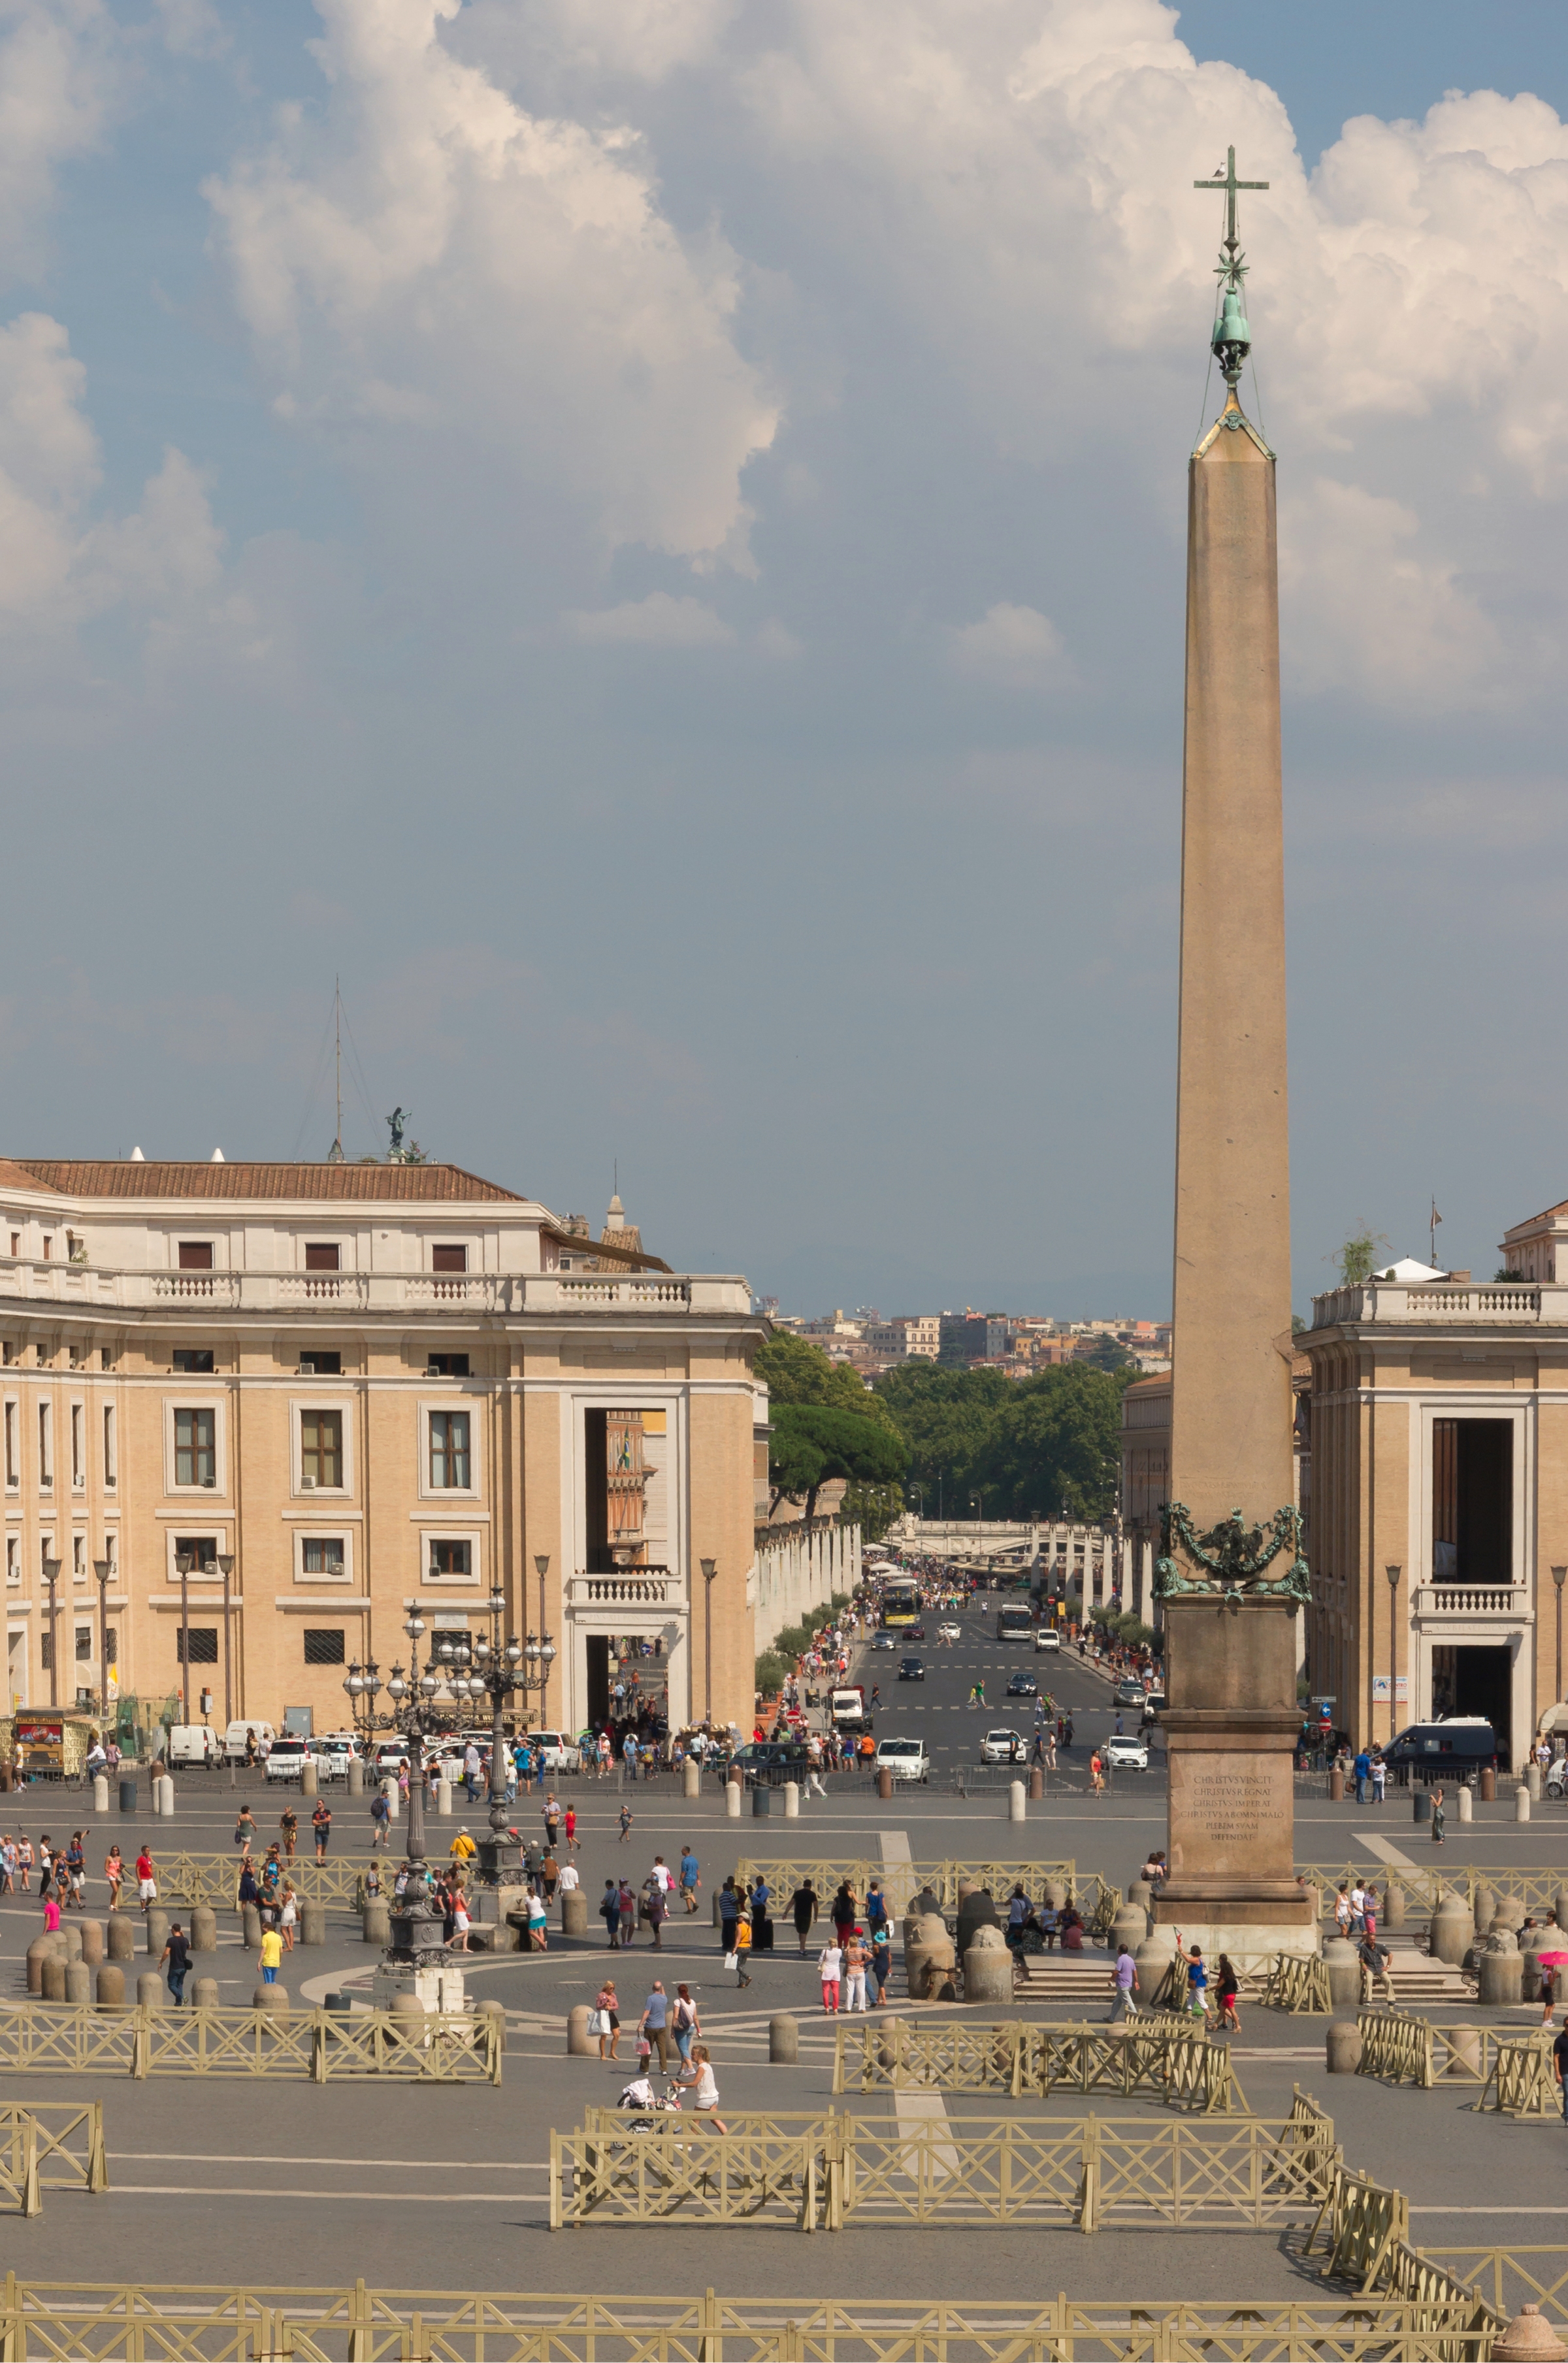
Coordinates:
(335,1154)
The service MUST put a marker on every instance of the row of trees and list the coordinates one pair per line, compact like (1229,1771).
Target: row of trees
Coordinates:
(1029,1448)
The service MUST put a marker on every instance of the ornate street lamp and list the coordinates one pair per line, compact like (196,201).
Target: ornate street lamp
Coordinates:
(52,1577)
(103,1569)
(1559,1577)
(709,1570)
(486,1665)
(418,1940)
(1393,1573)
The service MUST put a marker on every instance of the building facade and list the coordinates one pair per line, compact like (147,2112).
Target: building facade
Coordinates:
(1438,1536)
(359,1387)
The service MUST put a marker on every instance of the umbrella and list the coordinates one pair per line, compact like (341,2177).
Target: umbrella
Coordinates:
(1552,1960)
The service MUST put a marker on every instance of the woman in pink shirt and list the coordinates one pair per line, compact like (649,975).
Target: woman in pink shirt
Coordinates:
(51,1913)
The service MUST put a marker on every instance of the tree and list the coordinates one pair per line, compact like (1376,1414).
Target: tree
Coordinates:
(1035,1445)
(1358,1255)
(825,1424)
(1107,1353)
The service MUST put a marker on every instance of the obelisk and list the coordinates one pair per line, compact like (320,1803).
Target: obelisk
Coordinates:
(1231,1578)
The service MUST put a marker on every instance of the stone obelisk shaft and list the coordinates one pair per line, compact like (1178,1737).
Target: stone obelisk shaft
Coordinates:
(1231,1423)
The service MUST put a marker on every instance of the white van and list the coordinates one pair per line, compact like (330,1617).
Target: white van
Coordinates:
(194,1743)
(1048,1637)
(557,1750)
(237,1735)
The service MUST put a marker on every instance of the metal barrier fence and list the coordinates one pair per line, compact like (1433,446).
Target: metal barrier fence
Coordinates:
(46,2322)
(215,1878)
(1514,2070)
(841,2171)
(53,2039)
(1177,2063)
(53,2148)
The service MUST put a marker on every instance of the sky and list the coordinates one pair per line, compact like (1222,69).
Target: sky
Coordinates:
(646,535)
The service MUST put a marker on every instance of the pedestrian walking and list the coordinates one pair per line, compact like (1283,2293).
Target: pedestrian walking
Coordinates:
(1124,1985)
(289,1915)
(606,2011)
(1228,1987)
(685,2023)
(1379,1778)
(175,1962)
(742,1951)
(381,1820)
(691,1877)
(1439,1817)
(829,1969)
(655,1911)
(880,1959)
(857,1959)
(321,1822)
(610,1913)
(625,1823)
(551,1822)
(270,1959)
(1197,1984)
(803,1909)
(1096,1775)
(571,1842)
(704,2099)
(146,1879)
(628,1915)
(288,1823)
(655,2023)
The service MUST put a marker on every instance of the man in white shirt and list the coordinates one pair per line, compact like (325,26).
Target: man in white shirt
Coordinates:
(567,1878)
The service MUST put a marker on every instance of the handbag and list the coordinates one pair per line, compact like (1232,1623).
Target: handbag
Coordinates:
(598,2022)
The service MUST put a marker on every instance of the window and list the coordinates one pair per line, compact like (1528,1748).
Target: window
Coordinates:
(79,1559)
(448,1259)
(324,1645)
(446,1365)
(321,1258)
(13,1463)
(321,1447)
(13,1559)
(203,1644)
(448,1450)
(195,1447)
(321,1554)
(46,1650)
(1473,1508)
(111,1465)
(84,1645)
(45,1477)
(106,1357)
(196,1255)
(194,1361)
(16,1243)
(320,1364)
(78,1443)
(202,1549)
(448,1560)
(48,1248)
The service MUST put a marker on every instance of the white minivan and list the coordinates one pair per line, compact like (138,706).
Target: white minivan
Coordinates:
(1048,1637)
(194,1743)
(237,1735)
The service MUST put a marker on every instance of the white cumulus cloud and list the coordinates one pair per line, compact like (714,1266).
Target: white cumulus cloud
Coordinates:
(58,76)
(660,621)
(1012,648)
(432,256)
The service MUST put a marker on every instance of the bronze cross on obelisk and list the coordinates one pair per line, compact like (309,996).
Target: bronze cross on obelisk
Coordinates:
(1229,183)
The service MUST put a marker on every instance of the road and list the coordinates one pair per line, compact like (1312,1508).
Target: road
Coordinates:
(938,1711)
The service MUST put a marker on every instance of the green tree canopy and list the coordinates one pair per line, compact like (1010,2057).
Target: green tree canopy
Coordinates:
(825,1425)
(1035,1446)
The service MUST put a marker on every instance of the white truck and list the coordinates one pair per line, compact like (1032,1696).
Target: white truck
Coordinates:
(849,1709)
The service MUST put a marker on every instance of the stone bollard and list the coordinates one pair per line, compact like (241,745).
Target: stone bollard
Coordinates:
(41,1950)
(156,1926)
(1466,1802)
(575,1914)
(100,1793)
(1488,1784)
(1393,1907)
(111,1987)
(988,1969)
(204,1928)
(493,2009)
(1464,2052)
(792,1800)
(68,1944)
(1532,1782)
(150,1990)
(91,1935)
(1521,1803)
(691,1778)
(376,1922)
(1530,1972)
(122,1936)
(1129,1927)
(1344,2047)
(443,1800)
(250,1926)
(1529,2338)
(78,1983)
(1344,1973)
(52,1987)
(204,1993)
(165,1788)
(313,1923)
(1016,1804)
(394,1802)
(307,1778)
(1501,1979)
(784,2040)
(356,1783)
(884,1784)
(732,1800)
(1037,1785)
(580,2044)
(1560,1909)
(1484,1904)
(267,1997)
(1453,1930)
(1335,1786)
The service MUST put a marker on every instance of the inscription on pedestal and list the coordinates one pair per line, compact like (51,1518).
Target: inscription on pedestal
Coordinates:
(1231,1813)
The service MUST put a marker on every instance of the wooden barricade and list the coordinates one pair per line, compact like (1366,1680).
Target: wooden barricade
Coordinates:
(1361,2221)
(1172,2058)
(52,2147)
(1505,2279)
(48,2038)
(1521,2083)
(826,2173)
(82,2323)
(215,1878)
(902,1881)
(1297,1982)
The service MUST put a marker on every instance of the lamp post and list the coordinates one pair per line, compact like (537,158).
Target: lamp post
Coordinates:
(103,1569)
(542,1564)
(226,1569)
(418,1940)
(52,1577)
(709,1570)
(1559,1577)
(500,1667)
(1393,1573)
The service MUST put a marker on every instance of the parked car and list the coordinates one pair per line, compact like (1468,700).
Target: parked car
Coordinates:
(1048,1637)
(1002,1747)
(288,1755)
(1455,1744)
(388,1757)
(335,1751)
(1126,1749)
(556,1751)
(906,1759)
(912,1669)
(1022,1686)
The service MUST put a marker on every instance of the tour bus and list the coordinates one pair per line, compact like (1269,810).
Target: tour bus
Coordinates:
(901,1604)
(1015,1624)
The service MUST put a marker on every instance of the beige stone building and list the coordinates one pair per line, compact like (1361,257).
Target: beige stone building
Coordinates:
(362,1385)
(1440,1449)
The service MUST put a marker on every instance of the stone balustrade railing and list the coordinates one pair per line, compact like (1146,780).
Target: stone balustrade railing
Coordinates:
(655,1295)
(1503,1303)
